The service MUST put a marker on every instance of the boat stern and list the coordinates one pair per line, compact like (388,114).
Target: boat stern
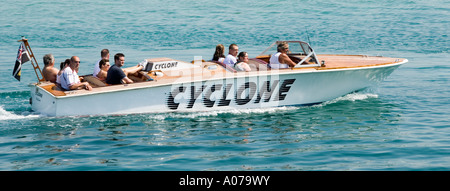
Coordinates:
(42,101)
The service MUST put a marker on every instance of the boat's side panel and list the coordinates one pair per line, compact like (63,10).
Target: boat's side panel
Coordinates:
(117,102)
(326,85)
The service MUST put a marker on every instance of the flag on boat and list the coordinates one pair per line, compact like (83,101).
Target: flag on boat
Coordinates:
(22,57)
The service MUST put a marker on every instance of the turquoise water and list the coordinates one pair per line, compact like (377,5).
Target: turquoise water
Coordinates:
(402,124)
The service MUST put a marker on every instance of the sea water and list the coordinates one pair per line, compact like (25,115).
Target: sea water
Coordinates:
(401,124)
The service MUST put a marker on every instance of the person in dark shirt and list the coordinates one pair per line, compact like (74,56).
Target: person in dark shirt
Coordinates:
(118,76)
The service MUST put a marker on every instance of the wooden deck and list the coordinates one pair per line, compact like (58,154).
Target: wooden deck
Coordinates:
(354,61)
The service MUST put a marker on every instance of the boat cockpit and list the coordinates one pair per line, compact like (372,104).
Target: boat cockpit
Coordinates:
(300,52)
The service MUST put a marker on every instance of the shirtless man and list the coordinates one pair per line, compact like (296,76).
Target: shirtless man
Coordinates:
(49,70)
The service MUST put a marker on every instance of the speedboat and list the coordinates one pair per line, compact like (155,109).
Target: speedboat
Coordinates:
(179,86)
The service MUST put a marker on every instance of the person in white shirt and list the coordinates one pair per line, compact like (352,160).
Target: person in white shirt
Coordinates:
(242,63)
(62,66)
(230,59)
(70,79)
(280,59)
(104,54)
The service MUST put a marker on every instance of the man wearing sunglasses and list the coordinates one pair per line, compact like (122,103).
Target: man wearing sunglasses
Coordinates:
(70,79)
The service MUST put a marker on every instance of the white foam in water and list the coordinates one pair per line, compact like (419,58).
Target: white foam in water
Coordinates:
(6,115)
(356,97)
(218,112)
(350,97)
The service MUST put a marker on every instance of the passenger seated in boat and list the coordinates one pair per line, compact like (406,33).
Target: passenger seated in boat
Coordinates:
(70,79)
(118,76)
(233,50)
(104,54)
(280,59)
(219,54)
(104,67)
(62,66)
(49,72)
(242,63)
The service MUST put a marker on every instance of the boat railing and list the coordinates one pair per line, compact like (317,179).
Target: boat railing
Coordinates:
(312,57)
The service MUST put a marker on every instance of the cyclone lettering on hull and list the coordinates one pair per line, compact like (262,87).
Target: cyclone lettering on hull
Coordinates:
(219,95)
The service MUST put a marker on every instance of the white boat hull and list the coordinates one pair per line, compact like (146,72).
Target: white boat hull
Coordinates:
(298,87)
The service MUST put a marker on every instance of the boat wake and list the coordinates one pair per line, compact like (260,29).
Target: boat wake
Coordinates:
(7,115)
(349,97)
(192,115)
